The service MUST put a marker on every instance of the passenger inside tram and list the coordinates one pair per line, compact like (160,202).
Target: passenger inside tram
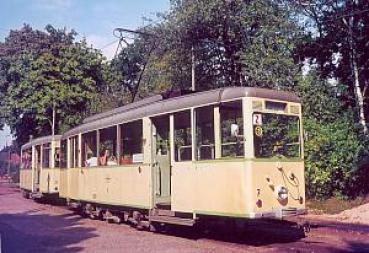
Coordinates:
(91,160)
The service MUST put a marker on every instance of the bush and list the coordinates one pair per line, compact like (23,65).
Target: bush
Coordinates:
(335,159)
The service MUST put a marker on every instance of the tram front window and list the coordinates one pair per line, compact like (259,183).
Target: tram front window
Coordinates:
(276,135)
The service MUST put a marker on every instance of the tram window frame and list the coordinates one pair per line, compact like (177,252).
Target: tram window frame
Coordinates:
(205,133)
(181,119)
(226,138)
(63,154)
(107,135)
(131,141)
(46,155)
(91,161)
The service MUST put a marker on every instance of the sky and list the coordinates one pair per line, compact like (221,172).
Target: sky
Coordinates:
(91,19)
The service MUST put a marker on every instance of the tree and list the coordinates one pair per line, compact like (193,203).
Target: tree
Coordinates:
(63,77)
(234,43)
(339,47)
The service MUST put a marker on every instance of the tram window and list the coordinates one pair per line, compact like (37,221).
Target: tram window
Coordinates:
(231,114)
(76,151)
(63,154)
(182,136)
(205,133)
(57,158)
(46,153)
(131,142)
(89,149)
(71,152)
(26,159)
(38,156)
(277,136)
(108,146)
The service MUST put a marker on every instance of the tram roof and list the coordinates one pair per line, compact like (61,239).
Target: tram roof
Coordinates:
(41,140)
(156,105)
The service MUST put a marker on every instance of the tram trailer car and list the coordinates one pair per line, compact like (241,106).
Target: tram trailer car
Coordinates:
(233,152)
(40,172)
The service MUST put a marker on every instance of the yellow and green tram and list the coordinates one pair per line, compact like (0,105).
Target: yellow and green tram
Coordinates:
(232,152)
(39,174)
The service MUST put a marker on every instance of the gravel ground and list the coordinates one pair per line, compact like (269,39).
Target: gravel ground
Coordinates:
(358,215)
(27,226)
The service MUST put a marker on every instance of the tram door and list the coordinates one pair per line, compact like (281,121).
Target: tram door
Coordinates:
(161,158)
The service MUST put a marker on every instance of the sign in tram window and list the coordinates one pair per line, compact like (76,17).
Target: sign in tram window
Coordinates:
(89,149)
(205,133)
(231,122)
(182,136)
(131,143)
(278,136)
(108,146)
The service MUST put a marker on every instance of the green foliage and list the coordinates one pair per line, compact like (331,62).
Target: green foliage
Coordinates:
(335,151)
(53,73)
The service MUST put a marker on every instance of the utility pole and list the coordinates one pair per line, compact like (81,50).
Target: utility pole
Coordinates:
(53,121)
(193,77)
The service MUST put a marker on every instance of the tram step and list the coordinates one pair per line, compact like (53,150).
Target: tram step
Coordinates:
(164,212)
(36,195)
(172,220)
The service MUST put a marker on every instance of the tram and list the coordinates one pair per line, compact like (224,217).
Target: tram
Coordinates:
(39,174)
(234,152)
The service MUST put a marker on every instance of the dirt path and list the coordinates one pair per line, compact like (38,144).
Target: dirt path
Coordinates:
(26,226)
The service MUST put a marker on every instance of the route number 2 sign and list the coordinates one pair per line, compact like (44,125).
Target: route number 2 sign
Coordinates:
(257,119)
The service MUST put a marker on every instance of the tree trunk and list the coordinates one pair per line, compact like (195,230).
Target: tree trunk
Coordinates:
(353,58)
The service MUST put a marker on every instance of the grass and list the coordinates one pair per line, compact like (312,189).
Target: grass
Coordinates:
(334,205)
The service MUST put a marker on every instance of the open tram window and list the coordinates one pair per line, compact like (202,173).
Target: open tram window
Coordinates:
(205,133)
(131,142)
(89,149)
(276,135)
(231,120)
(46,153)
(182,136)
(108,147)
(63,154)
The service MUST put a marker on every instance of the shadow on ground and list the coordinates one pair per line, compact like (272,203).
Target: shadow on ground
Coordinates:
(353,246)
(261,233)
(32,232)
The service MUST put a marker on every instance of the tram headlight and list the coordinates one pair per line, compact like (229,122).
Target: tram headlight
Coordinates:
(281,192)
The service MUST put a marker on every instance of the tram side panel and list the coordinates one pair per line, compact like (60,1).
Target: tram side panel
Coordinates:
(50,180)
(182,187)
(119,185)
(26,179)
(63,183)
